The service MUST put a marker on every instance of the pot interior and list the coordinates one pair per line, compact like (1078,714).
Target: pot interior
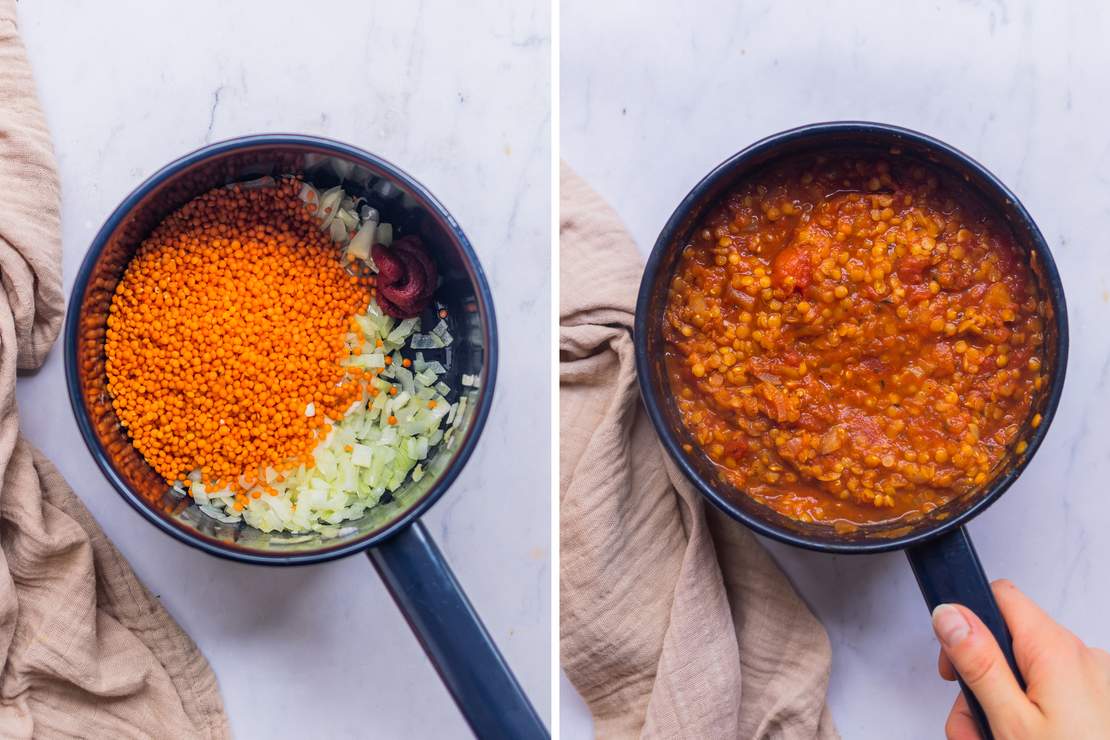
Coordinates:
(400,201)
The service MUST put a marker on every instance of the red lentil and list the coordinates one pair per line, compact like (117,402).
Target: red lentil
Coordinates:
(227,326)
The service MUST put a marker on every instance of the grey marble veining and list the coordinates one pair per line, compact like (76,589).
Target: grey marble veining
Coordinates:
(458,97)
(652,100)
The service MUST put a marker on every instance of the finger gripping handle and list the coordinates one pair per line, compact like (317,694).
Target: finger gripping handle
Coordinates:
(948,572)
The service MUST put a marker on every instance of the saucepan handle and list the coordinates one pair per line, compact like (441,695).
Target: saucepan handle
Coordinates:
(453,636)
(948,572)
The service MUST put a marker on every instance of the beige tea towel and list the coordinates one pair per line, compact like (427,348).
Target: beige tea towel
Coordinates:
(87,651)
(675,623)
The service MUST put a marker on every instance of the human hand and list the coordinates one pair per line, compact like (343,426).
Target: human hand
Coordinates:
(1068,694)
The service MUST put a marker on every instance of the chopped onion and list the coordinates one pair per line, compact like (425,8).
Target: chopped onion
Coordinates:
(309,194)
(403,330)
(384,235)
(347,222)
(359,247)
(338,230)
(363,455)
(329,205)
(348,216)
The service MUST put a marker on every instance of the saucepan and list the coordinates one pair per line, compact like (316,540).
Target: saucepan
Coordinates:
(401,549)
(939,549)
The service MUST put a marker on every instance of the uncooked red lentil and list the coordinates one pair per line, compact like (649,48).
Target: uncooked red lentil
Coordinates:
(225,333)
(852,340)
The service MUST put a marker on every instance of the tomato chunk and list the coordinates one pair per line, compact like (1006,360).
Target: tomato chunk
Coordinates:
(912,269)
(792,261)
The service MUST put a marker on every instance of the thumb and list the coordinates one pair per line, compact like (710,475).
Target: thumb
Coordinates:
(975,655)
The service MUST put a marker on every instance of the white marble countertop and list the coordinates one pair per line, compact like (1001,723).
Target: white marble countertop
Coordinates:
(652,101)
(456,96)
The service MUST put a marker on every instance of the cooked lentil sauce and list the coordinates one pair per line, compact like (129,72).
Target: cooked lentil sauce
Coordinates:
(854,340)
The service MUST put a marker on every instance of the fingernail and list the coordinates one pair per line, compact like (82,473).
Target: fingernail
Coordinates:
(950,625)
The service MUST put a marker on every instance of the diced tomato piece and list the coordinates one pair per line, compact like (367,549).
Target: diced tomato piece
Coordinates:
(792,261)
(998,296)
(872,365)
(911,269)
(736,446)
(917,293)
(943,358)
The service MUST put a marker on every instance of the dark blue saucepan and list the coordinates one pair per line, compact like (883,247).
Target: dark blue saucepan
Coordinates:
(938,547)
(413,569)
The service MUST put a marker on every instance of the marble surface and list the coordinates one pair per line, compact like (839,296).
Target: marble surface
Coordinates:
(458,97)
(651,101)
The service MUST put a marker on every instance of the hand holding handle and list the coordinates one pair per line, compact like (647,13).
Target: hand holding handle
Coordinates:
(948,572)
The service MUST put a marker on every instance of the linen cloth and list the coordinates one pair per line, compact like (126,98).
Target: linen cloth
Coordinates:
(87,651)
(674,621)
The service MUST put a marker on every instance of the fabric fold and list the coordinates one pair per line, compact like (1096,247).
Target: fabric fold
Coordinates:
(87,650)
(675,623)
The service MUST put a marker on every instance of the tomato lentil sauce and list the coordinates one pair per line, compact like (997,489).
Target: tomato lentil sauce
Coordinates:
(854,340)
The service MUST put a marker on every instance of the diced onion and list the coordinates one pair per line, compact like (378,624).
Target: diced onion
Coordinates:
(384,235)
(338,230)
(363,455)
(329,205)
(359,247)
(344,220)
